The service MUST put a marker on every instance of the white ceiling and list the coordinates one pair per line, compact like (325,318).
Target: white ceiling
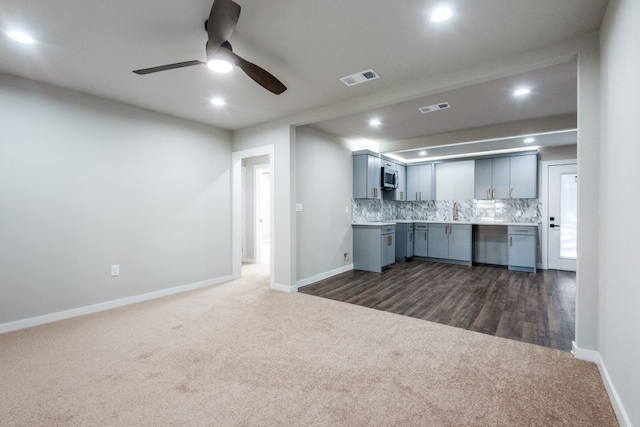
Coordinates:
(93,47)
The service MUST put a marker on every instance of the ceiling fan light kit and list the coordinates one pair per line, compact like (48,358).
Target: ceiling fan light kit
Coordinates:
(220,25)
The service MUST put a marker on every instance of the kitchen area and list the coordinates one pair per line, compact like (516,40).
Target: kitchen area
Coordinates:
(467,211)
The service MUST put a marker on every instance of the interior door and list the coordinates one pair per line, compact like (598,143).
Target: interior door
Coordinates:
(563,217)
(263,211)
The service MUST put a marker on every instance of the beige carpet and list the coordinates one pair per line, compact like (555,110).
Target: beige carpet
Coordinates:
(241,354)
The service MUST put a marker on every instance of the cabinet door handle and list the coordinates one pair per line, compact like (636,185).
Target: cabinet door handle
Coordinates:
(389,240)
(411,237)
(510,240)
(375,192)
(493,193)
(511,193)
(425,235)
(488,193)
(402,195)
(416,196)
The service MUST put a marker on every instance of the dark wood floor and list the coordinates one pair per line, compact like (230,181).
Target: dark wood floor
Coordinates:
(535,308)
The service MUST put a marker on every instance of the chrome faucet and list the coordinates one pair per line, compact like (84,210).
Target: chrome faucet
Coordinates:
(455,211)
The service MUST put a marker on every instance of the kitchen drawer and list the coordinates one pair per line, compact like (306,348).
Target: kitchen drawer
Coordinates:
(388,229)
(522,229)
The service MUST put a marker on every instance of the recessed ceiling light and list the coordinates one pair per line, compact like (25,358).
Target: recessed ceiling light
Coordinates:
(21,37)
(521,92)
(217,101)
(375,122)
(441,14)
(219,66)
(423,153)
(529,140)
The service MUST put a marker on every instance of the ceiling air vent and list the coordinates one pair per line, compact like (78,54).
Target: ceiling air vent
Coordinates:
(434,107)
(361,77)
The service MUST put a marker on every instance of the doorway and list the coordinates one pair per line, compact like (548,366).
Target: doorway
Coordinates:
(245,258)
(561,222)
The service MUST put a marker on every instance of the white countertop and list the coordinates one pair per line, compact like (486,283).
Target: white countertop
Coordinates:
(373,224)
(409,221)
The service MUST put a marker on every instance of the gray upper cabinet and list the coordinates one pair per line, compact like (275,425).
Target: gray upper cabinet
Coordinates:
(366,177)
(492,178)
(524,177)
(506,177)
(420,182)
(401,191)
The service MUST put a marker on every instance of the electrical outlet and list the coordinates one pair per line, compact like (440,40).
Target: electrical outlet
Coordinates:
(115,270)
(346,256)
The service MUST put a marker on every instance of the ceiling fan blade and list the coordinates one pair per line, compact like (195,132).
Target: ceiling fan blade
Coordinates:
(222,21)
(259,75)
(167,67)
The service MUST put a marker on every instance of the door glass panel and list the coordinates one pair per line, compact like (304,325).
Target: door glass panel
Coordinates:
(568,215)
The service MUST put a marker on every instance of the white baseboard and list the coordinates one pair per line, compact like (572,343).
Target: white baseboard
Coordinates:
(249,260)
(325,275)
(584,354)
(81,311)
(284,288)
(595,357)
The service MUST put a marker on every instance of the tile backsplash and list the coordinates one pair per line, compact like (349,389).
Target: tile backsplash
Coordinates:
(507,210)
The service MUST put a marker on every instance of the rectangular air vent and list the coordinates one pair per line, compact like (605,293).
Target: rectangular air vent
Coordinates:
(361,77)
(434,107)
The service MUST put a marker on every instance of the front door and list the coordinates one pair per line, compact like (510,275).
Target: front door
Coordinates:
(563,217)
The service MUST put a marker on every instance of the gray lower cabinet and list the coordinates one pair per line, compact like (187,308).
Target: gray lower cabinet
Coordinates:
(450,242)
(404,241)
(388,242)
(421,242)
(522,248)
(373,247)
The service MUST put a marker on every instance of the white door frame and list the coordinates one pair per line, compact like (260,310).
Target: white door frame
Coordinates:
(236,208)
(544,234)
(257,242)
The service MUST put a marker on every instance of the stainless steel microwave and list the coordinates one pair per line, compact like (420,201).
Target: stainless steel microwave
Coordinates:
(389,178)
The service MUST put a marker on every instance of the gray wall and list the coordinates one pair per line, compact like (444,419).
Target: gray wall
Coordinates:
(619,300)
(282,137)
(86,183)
(324,177)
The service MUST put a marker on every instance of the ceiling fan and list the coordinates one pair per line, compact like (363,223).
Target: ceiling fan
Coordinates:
(220,25)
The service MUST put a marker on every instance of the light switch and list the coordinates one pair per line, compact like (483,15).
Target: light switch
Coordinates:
(298,207)
(346,209)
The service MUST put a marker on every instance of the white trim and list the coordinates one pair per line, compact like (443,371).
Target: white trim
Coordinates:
(544,196)
(325,275)
(595,357)
(584,354)
(284,288)
(236,209)
(95,308)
